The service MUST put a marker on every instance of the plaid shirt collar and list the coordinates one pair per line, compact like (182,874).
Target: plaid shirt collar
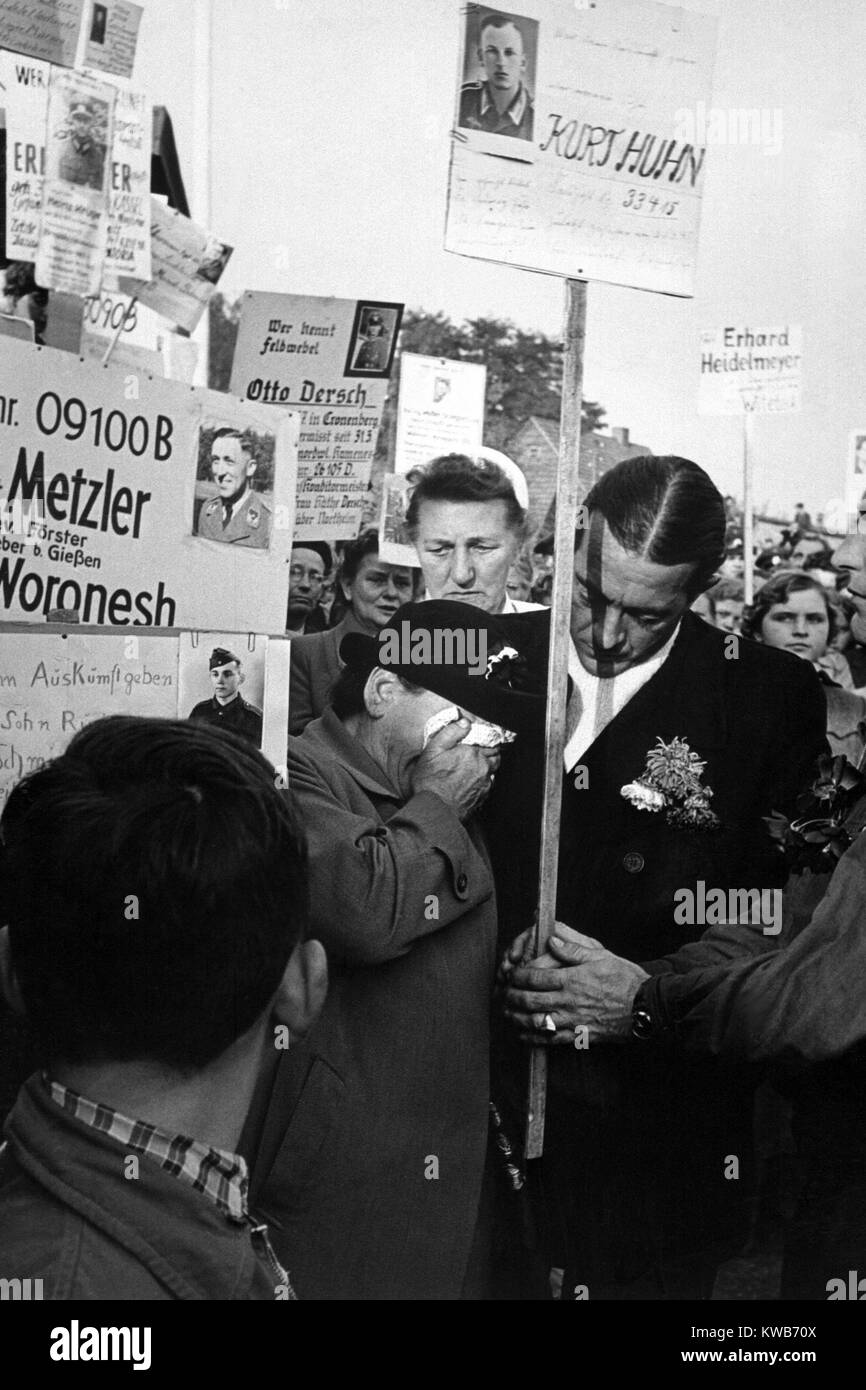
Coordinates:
(221,1176)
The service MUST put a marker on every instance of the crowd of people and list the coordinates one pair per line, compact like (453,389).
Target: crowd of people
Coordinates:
(281,1033)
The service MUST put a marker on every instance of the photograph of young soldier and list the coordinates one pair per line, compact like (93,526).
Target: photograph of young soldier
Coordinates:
(81,149)
(636,1138)
(226,708)
(500,103)
(390,1204)
(238,514)
(734,994)
(373,345)
(151,952)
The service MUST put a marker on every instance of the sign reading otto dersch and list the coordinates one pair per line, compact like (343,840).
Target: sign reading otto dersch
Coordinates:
(329,360)
(132,501)
(748,370)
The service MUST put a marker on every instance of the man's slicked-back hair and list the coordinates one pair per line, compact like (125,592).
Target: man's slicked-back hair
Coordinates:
(154,886)
(666,510)
(457,478)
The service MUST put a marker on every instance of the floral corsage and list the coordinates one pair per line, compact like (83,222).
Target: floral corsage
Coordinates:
(671,781)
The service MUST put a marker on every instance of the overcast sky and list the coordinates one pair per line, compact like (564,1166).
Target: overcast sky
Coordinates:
(329,163)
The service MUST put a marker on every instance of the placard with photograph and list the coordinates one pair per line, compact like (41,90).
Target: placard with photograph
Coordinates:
(104,504)
(329,360)
(572,151)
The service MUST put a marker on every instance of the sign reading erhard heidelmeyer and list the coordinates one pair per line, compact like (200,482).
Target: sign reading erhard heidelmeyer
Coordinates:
(747,370)
(329,360)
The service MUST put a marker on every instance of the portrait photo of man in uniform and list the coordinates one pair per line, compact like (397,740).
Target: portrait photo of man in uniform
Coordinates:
(235,468)
(498,73)
(373,339)
(226,707)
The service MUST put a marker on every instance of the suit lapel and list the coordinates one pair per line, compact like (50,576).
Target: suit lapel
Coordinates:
(684,698)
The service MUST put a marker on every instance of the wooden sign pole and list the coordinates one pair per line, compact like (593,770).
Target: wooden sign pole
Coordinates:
(748,510)
(567,484)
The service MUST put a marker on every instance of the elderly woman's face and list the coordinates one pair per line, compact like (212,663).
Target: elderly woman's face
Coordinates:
(465,550)
(800,624)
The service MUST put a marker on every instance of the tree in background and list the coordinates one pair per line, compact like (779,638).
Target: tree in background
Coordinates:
(524,374)
(524,370)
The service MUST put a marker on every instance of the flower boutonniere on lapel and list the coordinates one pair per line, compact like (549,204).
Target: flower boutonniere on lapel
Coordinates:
(671,782)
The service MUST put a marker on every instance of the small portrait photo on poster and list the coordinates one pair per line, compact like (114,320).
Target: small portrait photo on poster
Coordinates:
(495,99)
(860,453)
(373,339)
(234,485)
(76,152)
(395,543)
(214,260)
(99,24)
(221,681)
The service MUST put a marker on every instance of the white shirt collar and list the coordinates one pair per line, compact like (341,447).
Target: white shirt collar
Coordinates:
(602,697)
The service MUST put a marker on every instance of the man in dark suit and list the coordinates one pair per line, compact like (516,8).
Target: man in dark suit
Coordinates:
(645,1198)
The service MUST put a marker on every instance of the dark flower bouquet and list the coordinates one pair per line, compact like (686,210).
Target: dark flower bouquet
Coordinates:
(830,817)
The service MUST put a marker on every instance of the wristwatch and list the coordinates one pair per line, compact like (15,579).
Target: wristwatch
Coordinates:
(644,1023)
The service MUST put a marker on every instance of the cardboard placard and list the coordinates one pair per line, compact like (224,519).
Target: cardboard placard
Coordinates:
(574,151)
(328,359)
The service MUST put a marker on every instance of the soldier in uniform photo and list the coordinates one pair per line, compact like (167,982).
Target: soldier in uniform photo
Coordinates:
(501,103)
(238,515)
(227,708)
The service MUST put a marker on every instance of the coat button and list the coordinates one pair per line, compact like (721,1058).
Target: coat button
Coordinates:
(633,862)
(462,883)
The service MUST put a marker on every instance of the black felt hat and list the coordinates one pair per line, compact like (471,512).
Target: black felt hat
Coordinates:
(476,660)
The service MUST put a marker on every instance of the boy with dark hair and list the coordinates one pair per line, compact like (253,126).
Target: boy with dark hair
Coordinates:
(155,899)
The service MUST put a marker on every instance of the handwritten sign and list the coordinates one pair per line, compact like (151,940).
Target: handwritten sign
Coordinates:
(25,84)
(46,29)
(186,267)
(128,232)
(328,359)
(74,223)
(440,411)
(577,162)
(111,37)
(106,483)
(53,684)
(748,370)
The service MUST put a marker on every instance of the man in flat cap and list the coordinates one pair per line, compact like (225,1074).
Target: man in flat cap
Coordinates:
(227,707)
(237,515)
(387,785)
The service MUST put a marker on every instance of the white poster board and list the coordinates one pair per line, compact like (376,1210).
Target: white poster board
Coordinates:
(329,360)
(132,501)
(52,684)
(749,370)
(593,169)
(440,409)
